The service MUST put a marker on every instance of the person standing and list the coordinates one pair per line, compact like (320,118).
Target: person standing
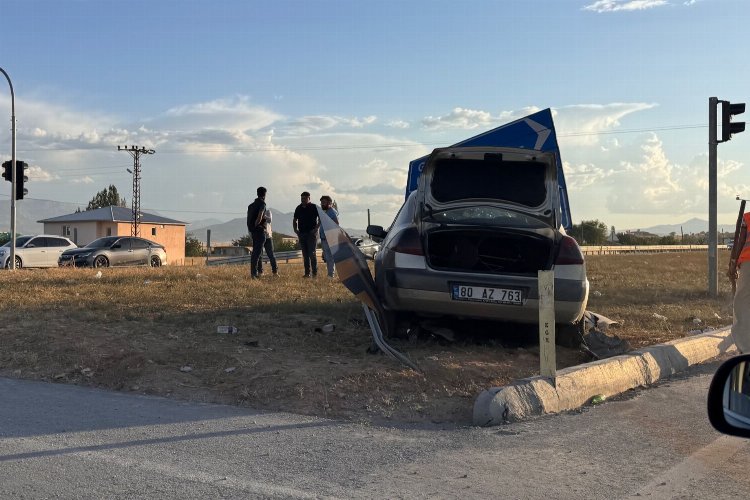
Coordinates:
(327,207)
(256,227)
(268,245)
(739,273)
(305,224)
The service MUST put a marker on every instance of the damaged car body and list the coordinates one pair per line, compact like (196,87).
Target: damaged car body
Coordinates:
(470,240)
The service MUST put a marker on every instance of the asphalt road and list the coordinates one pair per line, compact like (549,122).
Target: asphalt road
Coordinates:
(59,441)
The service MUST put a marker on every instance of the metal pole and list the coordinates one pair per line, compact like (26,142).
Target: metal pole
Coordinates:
(136,152)
(713,265)
(13,174)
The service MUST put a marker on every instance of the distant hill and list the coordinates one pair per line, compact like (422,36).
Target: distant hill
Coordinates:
(225,232)
(693,225)
(29,211)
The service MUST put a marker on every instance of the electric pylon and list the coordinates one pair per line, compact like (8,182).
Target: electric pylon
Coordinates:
(136,152)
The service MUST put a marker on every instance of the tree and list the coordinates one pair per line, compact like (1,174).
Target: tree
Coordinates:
(278,244)
(105,198)
(245,241)
(590,232)
(194,247)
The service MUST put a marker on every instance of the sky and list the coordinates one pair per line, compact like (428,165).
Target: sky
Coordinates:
(337,96)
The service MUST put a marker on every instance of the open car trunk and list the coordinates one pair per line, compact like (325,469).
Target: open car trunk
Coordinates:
(492,251)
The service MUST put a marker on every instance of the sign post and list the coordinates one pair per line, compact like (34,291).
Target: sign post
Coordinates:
(547,361)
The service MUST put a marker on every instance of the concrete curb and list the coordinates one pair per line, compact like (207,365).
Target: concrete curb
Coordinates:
(576,385)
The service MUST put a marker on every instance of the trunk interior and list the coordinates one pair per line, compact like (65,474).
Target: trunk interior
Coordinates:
(489,251)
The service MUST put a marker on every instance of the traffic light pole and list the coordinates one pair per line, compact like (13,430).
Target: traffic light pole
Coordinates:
(12,261)
(728,128)
(713,264)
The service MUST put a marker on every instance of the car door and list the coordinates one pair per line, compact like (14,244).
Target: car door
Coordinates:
(33,254)
(55,248)
(120,253)
(140,252)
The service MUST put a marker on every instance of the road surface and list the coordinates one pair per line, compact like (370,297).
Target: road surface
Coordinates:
(60,441)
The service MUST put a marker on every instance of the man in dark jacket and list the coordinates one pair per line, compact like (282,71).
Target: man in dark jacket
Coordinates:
(256,227)
(305,224)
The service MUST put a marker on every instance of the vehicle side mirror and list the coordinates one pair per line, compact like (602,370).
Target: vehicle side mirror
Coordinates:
(30,245)
(729,397)
(377,232)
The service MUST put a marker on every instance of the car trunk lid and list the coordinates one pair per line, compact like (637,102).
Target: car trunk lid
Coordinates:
(519,180)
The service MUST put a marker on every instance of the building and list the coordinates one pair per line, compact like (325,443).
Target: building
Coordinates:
(85,227)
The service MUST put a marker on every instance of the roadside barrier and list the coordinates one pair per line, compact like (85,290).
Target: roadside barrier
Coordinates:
(618,249)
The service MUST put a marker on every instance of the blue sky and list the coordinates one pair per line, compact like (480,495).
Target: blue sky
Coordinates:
(335,97)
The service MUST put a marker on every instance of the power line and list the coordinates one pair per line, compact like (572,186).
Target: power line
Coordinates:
(380,146)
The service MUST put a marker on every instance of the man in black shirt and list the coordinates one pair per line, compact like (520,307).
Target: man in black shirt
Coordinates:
(305,224)
(256,227)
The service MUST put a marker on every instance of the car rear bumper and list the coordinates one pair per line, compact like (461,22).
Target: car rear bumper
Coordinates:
(428,292)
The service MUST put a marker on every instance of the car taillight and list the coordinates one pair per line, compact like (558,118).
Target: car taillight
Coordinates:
(569,252)
(407,241)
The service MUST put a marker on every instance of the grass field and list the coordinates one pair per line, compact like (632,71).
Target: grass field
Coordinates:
(154,331)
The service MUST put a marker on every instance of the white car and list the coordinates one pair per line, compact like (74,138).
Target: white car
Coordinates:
(43,250)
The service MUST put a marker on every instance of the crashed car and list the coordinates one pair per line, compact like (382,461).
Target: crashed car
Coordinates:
(470,240)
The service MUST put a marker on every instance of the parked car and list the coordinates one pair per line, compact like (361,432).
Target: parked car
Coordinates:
(36,251)
(368,247)
(469,242)
(116,251)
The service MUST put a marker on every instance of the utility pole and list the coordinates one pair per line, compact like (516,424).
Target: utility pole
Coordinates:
(136,152)
(727,129)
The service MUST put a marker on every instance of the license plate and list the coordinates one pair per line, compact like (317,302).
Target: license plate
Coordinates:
(473,293)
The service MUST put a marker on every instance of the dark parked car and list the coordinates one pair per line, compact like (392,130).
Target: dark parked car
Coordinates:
(116,251)
(469,242)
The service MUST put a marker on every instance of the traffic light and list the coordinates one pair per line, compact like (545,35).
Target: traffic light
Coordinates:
(8,171)
(727,127)
(21,167)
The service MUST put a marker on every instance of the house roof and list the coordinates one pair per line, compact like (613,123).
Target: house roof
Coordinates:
(112,214)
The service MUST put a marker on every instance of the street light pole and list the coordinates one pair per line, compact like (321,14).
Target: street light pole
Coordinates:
(12,261)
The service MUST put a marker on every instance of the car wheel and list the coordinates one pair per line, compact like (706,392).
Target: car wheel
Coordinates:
(155,261)
(101,261)
(19,264)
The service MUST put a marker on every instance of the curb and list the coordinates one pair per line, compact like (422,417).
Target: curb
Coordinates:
(576,385)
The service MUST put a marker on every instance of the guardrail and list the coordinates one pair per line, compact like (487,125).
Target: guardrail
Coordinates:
(617,249)
(245,259)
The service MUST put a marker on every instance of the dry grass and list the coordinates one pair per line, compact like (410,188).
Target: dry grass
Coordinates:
(137,329)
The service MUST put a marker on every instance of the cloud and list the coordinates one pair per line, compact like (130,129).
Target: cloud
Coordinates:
(624,5)
(313,124)
(82,180)
(236,113)
(469,119)
(583,124)
(400,124)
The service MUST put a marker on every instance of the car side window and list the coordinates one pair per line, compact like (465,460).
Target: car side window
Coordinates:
(139,244)
(37,243)
(56,242)
(124,243)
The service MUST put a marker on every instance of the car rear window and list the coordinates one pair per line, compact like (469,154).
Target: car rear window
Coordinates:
(520,182)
